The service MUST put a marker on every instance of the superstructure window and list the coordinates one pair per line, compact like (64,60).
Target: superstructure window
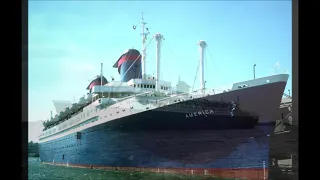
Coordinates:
(145,86)
(134,85)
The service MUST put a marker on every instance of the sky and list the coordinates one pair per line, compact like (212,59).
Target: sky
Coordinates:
(68,40)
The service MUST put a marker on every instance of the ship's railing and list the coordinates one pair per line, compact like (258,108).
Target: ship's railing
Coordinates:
(185,96)
(93,99)
(172,100)
(177,97)
(119,101)
(49,130)
(205,92)
(128,97)
(165,101)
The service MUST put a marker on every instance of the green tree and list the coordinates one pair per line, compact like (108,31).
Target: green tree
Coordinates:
(33,149)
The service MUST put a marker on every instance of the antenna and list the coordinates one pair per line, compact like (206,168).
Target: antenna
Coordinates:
(144,38)
(100,81)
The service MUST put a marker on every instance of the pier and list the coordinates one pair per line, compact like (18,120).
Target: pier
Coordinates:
(284,143)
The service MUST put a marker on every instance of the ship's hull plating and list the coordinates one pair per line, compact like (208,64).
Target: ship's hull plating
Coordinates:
(119,144)
(123,144)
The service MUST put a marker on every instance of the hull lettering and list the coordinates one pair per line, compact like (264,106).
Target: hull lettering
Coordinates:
(200,113)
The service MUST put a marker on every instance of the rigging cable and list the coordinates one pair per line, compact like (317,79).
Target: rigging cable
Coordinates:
(120,77)
(221,87)
(178,68)
(214,64)
(195,78)
(136,59)
(132,65)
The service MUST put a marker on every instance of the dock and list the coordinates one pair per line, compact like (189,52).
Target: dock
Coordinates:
(284,112)
(284,143)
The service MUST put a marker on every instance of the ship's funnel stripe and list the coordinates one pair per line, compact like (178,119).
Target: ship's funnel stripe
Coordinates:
(97,81)
(129,57)
(129,65)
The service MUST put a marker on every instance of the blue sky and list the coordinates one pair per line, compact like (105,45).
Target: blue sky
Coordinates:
(69,39)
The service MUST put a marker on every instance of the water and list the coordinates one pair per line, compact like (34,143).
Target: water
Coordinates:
(38,171)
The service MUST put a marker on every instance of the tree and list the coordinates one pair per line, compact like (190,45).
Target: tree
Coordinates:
(33,149)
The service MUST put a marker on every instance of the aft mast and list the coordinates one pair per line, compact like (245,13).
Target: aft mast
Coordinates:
(158,38)
(101,75)
(144,38)
(202,45)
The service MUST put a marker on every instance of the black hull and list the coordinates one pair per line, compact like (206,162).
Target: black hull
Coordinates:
(165,139)
(168,120)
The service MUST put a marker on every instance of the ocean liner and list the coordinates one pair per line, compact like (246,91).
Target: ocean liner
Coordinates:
(141,123)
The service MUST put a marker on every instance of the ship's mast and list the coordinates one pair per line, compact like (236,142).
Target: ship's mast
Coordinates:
(158,38)
(144,37)
(101,74)
(101,80)
(202,46)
